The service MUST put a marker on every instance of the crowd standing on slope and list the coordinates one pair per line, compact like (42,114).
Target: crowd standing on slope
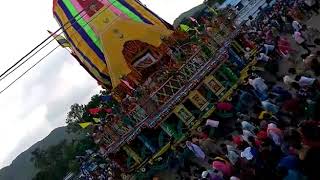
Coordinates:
(273,131)
(270,129)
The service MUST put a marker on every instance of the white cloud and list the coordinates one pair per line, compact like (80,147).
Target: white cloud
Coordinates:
(38,102)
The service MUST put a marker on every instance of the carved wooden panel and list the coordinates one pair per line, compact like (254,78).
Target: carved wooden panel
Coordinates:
(132,49)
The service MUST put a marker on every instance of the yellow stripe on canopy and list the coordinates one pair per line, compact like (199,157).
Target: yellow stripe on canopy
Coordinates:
(81,44)
(91,69)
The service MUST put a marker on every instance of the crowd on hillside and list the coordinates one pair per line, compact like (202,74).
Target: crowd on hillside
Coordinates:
(273,131)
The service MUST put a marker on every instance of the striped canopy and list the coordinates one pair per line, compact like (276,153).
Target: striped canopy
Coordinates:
(76,18)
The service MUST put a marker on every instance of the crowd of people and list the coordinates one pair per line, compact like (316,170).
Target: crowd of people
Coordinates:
(273,131)
(93,166)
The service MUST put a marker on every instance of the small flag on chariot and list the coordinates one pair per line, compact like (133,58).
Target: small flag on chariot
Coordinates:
(60,39)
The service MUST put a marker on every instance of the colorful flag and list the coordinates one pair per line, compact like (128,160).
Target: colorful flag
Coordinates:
(184,27)
(96,120)
(127,84)
(193,19)
(85,125)
(106,98)
(94,111)
(108,110)
(60,39)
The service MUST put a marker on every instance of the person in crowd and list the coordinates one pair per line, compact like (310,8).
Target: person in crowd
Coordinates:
(290,77)
(198,152)
(260,87)
(272,135)
(296,26)
(263,57)
(312,5)
(305,81)
(301,41)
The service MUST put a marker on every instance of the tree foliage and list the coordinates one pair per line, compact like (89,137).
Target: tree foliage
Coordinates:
(75,114)
(213,2)
(79,113)
(56,161)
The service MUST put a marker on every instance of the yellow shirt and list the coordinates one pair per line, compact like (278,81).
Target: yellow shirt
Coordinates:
(261,115)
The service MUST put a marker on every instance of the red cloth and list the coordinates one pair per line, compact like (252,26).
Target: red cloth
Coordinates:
(55,2)
(291,105)
(257,142)
(224,106)
(284,46)
(224,167)
(262,135)
(108,110)
(203,135)
(315,144)
(237,140)
(94,111)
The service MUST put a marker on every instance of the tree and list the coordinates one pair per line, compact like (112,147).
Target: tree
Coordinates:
(211,3)
(39,157)
(73,166)
(42,175)
(75,114)
(56,161)
(94,102)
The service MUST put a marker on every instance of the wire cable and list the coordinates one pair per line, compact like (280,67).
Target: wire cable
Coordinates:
(15,68)
(29,69)
(74,20)
(7,87)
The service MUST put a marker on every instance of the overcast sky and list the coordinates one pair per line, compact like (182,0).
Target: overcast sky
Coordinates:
(38,103)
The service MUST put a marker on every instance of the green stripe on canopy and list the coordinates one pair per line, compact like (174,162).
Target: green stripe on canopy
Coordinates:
(83,23)
(125,10)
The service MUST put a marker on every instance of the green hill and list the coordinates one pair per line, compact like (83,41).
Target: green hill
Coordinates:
(187,14)
(22,167)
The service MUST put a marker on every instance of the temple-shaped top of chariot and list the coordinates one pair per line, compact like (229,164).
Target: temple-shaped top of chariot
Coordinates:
(101,32)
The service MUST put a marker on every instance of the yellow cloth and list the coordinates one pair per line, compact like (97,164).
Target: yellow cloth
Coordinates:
(97,120)
(184,27)
(261,115)
(80,43)
(114,38)
(85,125)
(115,31)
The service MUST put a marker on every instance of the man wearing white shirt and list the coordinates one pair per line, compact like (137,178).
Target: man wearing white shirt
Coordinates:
(261,89)
(258,84)
(296,26)
(290,78)
(305,81)
(263,57)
